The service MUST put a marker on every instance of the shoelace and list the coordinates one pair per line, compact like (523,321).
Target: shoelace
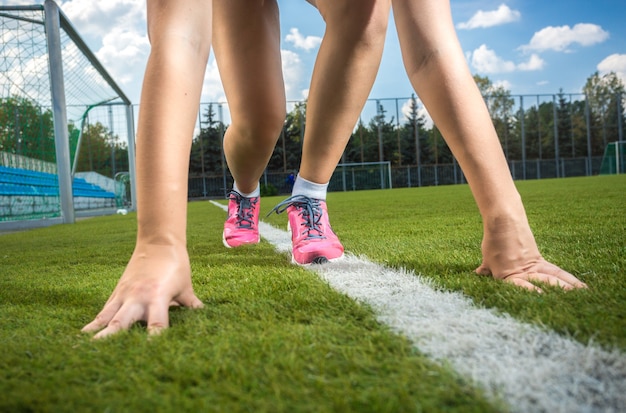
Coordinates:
(245,209)
(310,211)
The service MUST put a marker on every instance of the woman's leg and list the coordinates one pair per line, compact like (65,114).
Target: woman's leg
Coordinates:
(439,73)
(343,75)
(344,72)
(247,49)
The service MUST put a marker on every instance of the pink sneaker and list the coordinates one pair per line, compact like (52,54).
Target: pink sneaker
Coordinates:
(313,240)
(242,225)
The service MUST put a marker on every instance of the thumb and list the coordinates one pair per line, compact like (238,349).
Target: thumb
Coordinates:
(483,270)
(190,300)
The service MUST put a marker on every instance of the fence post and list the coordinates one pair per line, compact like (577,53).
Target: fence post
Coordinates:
(556,135)
(523,131)
(220,116)
(132,172)
(620,110)
(588,124)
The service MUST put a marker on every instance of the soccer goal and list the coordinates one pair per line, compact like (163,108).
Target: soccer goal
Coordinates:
(357,176)
(614,159)
(63,119)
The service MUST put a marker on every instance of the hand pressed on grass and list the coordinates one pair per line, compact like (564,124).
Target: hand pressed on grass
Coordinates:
(510,254)
(156,277)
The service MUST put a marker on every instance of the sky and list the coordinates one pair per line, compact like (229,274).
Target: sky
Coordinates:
(527,46)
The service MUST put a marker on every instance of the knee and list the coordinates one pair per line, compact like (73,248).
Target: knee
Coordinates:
(261,127)
(367,19)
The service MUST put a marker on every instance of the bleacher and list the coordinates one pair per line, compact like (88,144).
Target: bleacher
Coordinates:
(26,192)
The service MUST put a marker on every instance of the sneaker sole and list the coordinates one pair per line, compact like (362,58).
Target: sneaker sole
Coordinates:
(321,260)
(241,245)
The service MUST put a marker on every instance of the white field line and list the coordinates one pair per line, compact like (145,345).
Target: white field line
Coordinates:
(529,368)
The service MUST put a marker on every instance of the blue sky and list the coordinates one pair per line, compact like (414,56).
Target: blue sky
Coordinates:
(529,47)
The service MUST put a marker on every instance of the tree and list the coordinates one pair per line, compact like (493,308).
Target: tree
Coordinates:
(500,104)
(26,129)
(414,135)
(100,151)
(206,148)
(604,96)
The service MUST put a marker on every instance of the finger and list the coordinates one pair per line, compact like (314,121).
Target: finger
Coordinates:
(521,282)
(189,299)
(557,272)
(102,319)
(483,270)
(545,279)
(158,318)
(125,317)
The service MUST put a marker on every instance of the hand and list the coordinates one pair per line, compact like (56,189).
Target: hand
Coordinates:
(512,255)
(156,277)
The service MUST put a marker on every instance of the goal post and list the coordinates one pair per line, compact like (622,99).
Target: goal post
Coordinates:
(361,175)
(49,81)
(614,159)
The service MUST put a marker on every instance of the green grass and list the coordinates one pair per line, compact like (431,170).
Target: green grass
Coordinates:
(273,337)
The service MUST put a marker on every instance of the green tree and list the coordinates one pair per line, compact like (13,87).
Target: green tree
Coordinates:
(26,129)
(206,148)
(604,96)
(414,135)
(101,152)
(500,105)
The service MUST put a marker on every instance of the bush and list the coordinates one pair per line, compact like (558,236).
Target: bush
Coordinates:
(268,190)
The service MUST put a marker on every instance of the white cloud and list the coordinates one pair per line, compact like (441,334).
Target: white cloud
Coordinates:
(300,42)
(98,17)
(17,2)
(124,54)
(562,37)
(501,84)
(534,63)
(614,63)
(492,18)
(115,30)
(485,60)
(212,89)
(292,73)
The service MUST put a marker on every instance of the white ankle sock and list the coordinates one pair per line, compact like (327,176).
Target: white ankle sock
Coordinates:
(310,189)
(253,194)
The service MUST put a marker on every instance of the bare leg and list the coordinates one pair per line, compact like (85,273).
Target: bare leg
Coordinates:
(439,73)
(344,73)
(158,274)
(343,76)
(247,50)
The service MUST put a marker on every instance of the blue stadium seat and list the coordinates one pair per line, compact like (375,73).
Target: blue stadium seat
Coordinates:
(18,181)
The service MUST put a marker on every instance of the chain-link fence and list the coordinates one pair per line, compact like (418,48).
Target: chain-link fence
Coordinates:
(542,136)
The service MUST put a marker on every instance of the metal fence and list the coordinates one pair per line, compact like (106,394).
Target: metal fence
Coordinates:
(542,136)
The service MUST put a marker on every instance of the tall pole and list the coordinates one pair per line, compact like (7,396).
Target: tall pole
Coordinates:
(130,128)
(57,91)
(556,136)
(220,115)
(523,131)
(417,142)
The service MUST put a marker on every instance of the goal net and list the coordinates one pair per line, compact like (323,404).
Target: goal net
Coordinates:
(614,159)
(357,176)
(63,120)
